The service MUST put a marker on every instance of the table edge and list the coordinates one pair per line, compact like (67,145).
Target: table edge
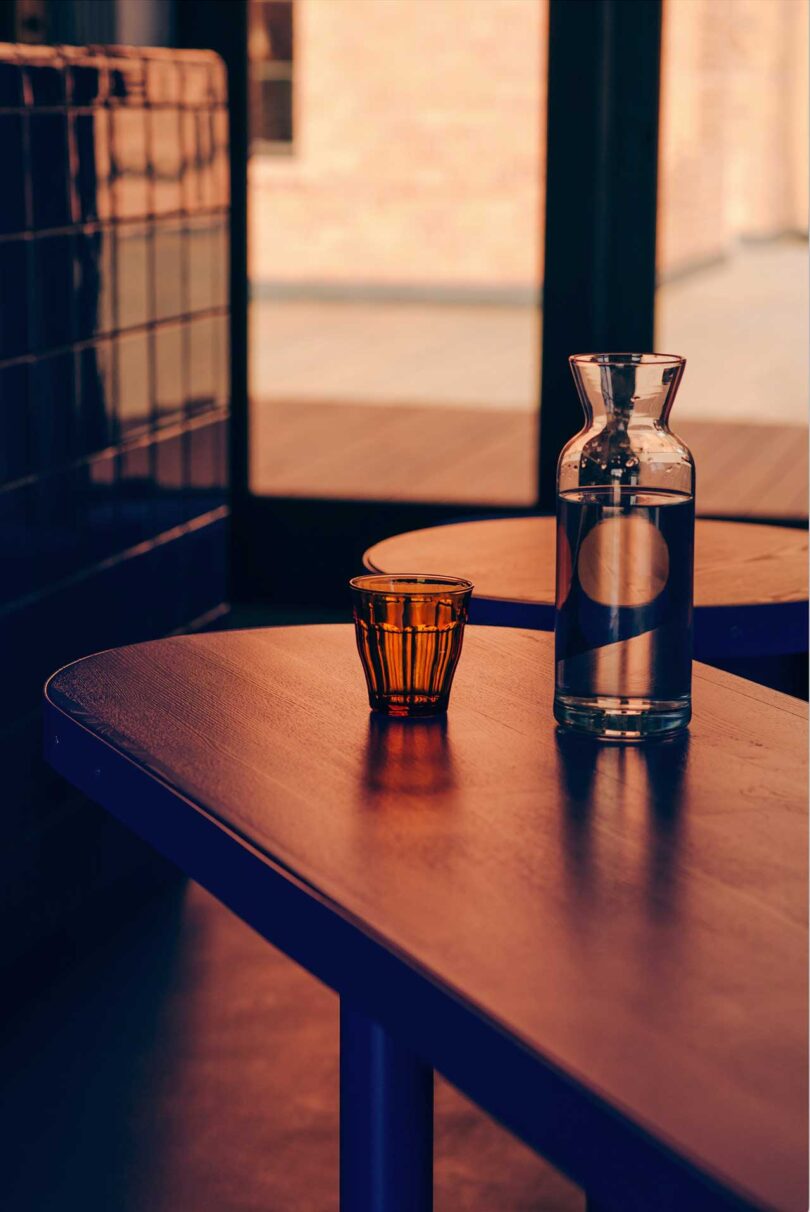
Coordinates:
(800,600)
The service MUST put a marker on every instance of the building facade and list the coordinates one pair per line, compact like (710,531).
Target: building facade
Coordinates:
(412,155)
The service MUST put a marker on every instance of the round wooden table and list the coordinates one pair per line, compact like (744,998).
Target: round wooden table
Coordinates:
(750,580)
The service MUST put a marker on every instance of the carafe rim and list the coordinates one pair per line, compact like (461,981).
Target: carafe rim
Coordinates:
(627,359)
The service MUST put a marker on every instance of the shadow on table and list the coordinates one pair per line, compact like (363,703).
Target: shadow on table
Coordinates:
(637,793)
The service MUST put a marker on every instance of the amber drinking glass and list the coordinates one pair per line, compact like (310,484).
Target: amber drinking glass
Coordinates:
(409,633)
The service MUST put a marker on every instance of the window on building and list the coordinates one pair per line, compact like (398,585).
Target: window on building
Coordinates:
(270,49)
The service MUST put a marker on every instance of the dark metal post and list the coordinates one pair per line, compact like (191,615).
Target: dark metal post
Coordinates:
(601,198)
(386,1121)
(222,25)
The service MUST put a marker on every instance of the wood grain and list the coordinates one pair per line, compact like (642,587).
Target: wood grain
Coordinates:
(736,563)
(636,916)
(409,451)
(394,452)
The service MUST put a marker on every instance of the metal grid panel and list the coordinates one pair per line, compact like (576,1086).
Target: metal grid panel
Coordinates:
(114,318)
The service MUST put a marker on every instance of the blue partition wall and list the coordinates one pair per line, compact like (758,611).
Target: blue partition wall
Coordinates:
(114,403)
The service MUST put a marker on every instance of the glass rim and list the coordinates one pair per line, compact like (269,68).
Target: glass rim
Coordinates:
(627,359)
(451,586)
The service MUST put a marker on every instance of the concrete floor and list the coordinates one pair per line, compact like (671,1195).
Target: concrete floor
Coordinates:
(742,325)
(437,402)
(184,1065)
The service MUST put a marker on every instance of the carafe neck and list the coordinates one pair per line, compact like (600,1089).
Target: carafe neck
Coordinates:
(623,390)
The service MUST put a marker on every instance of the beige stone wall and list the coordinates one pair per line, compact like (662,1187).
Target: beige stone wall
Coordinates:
(419,140)
(418,127)
(734,158)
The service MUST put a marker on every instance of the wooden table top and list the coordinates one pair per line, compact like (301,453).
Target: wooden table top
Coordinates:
(635,918)
(736,563)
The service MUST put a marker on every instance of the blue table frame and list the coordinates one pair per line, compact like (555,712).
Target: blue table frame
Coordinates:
(722,633)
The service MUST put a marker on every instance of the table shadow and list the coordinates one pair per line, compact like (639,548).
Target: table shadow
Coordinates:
(608,784)
(78,1072)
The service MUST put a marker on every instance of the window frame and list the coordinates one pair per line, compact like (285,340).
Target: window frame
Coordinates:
(601,197)
(260,70)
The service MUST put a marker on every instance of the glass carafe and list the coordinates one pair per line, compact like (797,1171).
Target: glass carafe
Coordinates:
(625,543)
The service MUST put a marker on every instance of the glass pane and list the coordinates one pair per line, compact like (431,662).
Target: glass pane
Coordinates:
(275,110)
(732,247)
(273,28)
(395,256)
(270,52)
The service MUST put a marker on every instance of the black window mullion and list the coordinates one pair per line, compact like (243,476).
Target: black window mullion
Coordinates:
(222,25)
(601,198)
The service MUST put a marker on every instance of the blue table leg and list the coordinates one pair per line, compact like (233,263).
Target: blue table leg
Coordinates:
(386,1121)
